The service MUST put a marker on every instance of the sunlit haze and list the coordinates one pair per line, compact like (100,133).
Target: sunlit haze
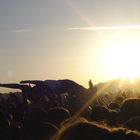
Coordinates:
(122,58)
(69,39)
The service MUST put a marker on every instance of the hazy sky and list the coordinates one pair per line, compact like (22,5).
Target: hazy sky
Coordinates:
(56,39)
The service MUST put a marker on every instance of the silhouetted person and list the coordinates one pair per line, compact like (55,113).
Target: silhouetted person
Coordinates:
(59,86)
(54,88)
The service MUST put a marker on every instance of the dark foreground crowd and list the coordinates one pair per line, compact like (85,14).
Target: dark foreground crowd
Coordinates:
(69,117)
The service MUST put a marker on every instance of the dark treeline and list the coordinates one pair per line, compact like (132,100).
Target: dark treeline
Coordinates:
(65,110)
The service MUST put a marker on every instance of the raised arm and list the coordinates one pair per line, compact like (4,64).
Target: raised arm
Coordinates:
(92,88)
(36,82)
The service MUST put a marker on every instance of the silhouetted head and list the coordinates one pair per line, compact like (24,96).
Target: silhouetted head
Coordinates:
(33,117)
(86,113)
(100,113)
(84,131)
(113,118)
(114,106)
(4,122)
(42,131)
(57,115)
(16,130)
(4,126)
(119,99)
(130,108)
(133,123)
(92,131)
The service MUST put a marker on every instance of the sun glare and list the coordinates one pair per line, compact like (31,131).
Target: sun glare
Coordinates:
(123,58)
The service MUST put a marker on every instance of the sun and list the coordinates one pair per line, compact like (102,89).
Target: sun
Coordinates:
(122,58)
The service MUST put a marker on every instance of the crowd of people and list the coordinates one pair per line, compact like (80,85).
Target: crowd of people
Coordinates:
(65,110)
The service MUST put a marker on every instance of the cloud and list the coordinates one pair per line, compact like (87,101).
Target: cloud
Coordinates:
(106,28)
(21,30)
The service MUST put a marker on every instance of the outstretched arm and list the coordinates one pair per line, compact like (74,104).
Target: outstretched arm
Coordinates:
(36,82)
(14,86)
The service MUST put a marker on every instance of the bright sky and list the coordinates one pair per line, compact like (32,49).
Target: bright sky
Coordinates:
(73,39)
